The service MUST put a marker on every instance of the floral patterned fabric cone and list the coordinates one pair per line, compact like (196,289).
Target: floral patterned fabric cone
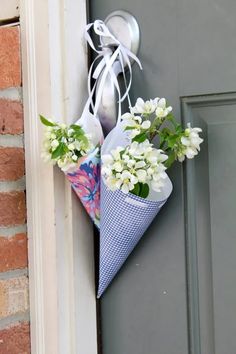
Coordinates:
(85,181)
(122,227)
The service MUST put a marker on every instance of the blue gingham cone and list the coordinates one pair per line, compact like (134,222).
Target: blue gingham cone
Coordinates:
(124,219)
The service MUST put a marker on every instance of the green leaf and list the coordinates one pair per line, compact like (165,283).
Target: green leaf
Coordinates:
(129,128)
(77,128)
(60,151)
(172,119)
(144,190)
(140,138)
(136,189)
(81,137)
(166,131)
(46,122)
(172,140)
(170,159)
(178,129)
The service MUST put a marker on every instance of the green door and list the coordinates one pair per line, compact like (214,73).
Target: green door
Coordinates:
(176,294)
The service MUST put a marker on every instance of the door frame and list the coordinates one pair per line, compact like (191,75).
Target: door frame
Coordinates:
(60,235)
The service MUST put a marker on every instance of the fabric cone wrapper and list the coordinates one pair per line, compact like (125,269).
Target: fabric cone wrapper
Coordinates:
(124,217)
(85,181)
(85,176)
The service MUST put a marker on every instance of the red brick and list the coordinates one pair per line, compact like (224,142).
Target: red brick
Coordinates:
(13,252)
(12,164)
(11,117)
(10,63)
(12,208)
(15,339)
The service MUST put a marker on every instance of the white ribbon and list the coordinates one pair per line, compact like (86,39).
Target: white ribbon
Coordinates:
(107,66)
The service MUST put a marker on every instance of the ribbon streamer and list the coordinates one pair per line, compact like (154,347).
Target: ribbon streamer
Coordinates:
(106,66)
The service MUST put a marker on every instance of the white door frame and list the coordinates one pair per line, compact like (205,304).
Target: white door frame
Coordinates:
(61,259)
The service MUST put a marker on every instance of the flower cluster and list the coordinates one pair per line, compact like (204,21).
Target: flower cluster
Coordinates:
(157,106)
(63,144)
(140,166)
(146,121)
(134,168)
(190,143)
(138,120)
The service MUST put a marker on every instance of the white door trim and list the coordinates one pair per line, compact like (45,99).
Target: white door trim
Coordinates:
(61,261)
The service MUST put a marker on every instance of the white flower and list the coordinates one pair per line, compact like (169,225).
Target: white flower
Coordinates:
(54,144)
(62,125)
(127,181)
(64,140)
(48,135)
(116,153)
(137,163)
(113,183)
(140,164)
(161,110)
(78,145)
(142,176)
(142,107)
(118,166)
(49,129)
(146,124)
(131,118)
(134,133)
(130,163)
(156,156)
(74,157)
(58,134)
(190,143)
(71,146)
(53,136)
(65,163)
(133,122)
(70,132)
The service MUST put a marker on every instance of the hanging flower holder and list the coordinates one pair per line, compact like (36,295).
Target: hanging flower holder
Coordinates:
(121,180)
(123,226)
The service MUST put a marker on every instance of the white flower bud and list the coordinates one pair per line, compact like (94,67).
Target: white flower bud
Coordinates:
(54,144)
(117,166)
(74,157)
(146,124)
(53,136)
(71,146)
(70,132)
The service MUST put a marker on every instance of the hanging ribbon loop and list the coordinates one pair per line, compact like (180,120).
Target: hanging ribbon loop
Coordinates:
(110,51)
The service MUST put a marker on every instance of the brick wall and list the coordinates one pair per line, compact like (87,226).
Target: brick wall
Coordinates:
(14,305)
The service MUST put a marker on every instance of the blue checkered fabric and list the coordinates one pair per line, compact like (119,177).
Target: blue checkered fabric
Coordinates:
(124,219)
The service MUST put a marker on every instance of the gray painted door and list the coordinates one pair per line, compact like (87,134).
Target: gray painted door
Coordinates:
(176,293)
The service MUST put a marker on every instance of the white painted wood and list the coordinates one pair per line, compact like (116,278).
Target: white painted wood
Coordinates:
(61,266)
(9,9)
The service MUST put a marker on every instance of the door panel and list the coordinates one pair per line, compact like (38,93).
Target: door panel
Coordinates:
(176,292)
(210,218)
